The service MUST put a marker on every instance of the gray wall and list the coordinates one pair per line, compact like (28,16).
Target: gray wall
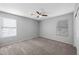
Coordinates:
(26,28)
(76,29)
(48,28)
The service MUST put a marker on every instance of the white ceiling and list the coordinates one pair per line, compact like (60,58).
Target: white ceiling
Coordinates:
(25,9)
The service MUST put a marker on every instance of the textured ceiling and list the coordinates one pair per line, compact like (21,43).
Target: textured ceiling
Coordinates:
(25,9)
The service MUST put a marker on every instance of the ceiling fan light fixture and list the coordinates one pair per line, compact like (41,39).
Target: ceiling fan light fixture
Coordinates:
(39,13)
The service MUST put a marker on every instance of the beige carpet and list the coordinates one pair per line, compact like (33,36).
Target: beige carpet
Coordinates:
(38,46)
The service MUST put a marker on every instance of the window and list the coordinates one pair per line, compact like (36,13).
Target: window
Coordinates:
(8,27)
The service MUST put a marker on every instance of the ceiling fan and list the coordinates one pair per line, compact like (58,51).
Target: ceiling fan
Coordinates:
(39,13)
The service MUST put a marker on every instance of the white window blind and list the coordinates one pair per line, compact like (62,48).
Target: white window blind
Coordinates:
(8,27)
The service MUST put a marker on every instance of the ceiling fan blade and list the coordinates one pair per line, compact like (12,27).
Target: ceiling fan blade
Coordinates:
(38,12)
(44,15)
